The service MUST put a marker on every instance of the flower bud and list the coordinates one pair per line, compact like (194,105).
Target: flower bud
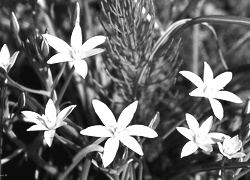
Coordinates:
(155,121)
(44,48)
(21,101)
(76,15)
(14,24)
(247,110)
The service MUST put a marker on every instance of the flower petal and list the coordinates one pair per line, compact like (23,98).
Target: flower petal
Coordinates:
(104,113)
(59,58)
(58,44)
(206,147)
(4,57)
(131,143)
(5,54)
(217,108)
(127,115)
(140,130)
(222,151)
(50,113)
(189,148)
(37,127)
(13,60)
(205,140)
(235,139)
(192,123)
(91,52)
(186,132)
(110,149)
(222,80)
(97,131)
(64,113)
(198,92)
(208,75)
(49,136)
(220,147)
(237,144)
(60,124)
(238,155)
(217,137)
(195,79)
(32,116)
(227,96)
(76,37)
(92,42)
(206,126)
(81,68)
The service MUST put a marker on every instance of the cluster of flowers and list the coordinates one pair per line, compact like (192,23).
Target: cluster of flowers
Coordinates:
(199,136)
(119,131)
(114,131)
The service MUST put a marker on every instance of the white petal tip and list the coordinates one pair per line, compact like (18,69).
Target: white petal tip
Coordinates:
(220,118)
(82,132)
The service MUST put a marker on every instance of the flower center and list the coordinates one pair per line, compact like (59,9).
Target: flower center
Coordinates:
(48,122)
(209,92)
(200,138)
(76,54)
(116,131)
(231,148)
(228,150)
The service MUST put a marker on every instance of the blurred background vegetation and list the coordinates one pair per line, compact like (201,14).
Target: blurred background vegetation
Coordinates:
(169,95)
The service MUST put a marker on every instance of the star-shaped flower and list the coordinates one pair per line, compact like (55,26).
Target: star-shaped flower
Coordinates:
(6,62)
(117,131)
(230,147)
(198,136)
(77,51)
(211,88)
(49,121)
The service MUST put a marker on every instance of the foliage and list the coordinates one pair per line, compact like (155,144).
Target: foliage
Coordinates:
(70,67)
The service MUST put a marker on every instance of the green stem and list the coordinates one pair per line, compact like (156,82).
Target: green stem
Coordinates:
(116,177)
(58,77)
(70,75)
(241,174)
(86,168)
(223,171)
(213,19)
(67,143)
(12,83)
(211,167)
(3,96)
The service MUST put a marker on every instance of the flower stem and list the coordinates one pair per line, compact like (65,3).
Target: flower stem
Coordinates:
(210,167)
(86,167)
(223,171)
(12,83)
(116,177)
(70,75)
(3,96)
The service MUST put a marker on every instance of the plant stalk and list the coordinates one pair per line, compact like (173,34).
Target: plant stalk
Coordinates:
(62,92)
(3,96)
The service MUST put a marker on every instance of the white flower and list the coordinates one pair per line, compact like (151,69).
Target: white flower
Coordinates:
(49,121)
(198,136)
(230,147)
(77,51)
(117,131)
(6,62)
(211,88)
